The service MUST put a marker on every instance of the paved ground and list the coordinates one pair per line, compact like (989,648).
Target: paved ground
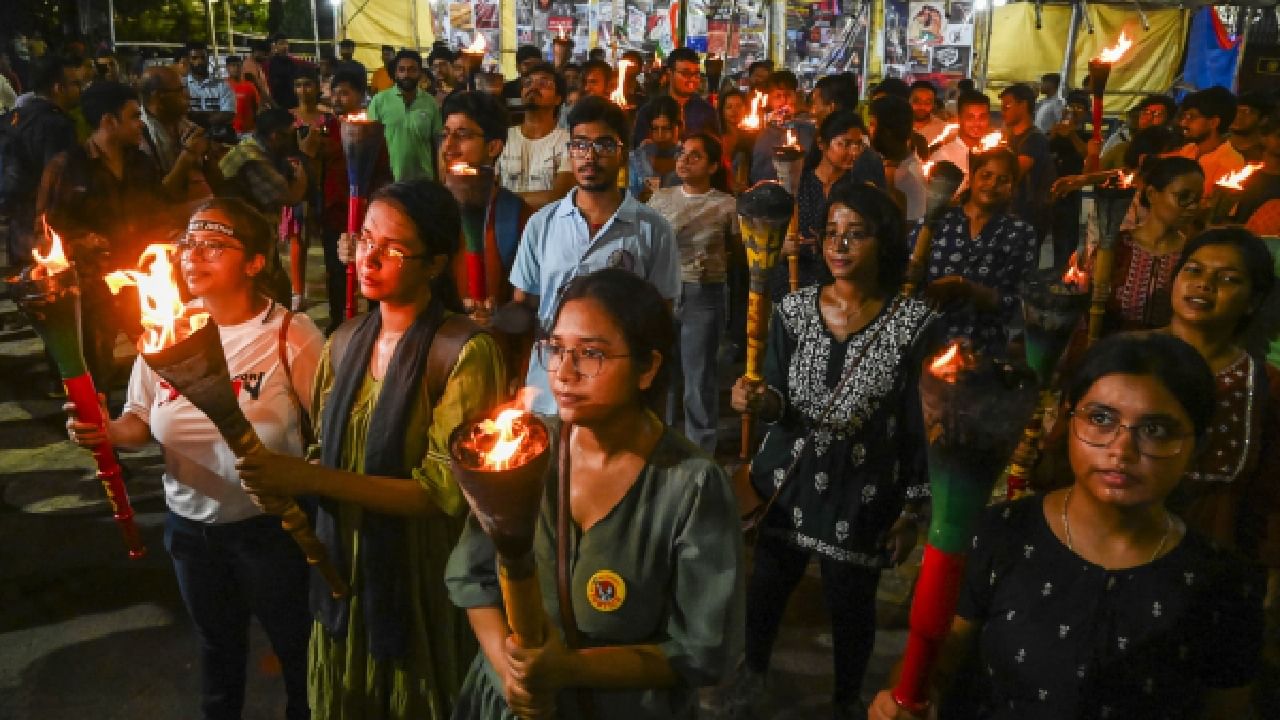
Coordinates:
(85,632)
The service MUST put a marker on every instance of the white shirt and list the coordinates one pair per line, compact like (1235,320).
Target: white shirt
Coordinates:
(531,165)
(908,179)
(1049,112)
(200,478)
(956,152)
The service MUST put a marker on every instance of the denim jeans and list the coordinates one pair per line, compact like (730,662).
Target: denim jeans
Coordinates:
(701,312)
(225,573)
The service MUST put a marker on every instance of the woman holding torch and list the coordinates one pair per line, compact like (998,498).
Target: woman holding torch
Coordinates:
(391,386)
(653,550)
(843,460)
(231,560)
(1095,600)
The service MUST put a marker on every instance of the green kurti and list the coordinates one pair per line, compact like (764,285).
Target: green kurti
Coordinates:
(675,543)
(346,683)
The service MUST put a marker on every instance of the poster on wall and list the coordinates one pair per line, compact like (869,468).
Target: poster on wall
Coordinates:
(486,15)
(951,59)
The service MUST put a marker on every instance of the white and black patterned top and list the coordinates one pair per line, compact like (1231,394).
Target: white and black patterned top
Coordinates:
(1061,637)
(1001,257)
(857,468)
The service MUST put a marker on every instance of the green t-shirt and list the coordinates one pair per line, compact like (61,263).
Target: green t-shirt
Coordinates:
(410,132)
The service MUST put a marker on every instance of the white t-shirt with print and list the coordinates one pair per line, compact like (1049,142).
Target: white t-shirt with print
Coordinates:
(200,478)
(531,165)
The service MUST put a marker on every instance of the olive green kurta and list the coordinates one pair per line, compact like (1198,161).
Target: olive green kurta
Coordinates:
(345,682)
(675,542)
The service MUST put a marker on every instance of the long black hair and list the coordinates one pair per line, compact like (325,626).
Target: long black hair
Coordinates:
(883,219)
(434,214)
(259,238)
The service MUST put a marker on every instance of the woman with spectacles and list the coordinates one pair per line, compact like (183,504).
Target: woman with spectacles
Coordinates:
(981,254)
(1095,600)
(388,394)
(653,162)
(231,560)
(652,557)
(841,140)
(842,463)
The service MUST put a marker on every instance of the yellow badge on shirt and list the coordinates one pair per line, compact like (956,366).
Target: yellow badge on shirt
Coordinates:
(606,591)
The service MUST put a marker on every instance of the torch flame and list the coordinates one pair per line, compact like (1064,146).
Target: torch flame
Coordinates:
(161,302)
(754,119)
(950,362)
(53,263)
(991,141)
(1074,277)
(618,96)
(791,138)
(356,117)
(508,440)
(1125,179)
(947,131)
(926,168)
(1234,180)
(461,168)
(477,46)
(1117,51)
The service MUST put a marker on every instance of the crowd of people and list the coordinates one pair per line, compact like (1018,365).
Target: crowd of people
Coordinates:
(1139,580)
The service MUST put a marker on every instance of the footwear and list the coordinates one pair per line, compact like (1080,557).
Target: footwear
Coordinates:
(741,695)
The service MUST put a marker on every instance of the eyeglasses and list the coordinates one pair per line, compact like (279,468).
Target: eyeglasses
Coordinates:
(367,246)
(605,147)
(206,250)
(843,242)
(461,135)
(588,362)
(540,82)
(1187,198)
(693,156)
(690,74)
(1098,427)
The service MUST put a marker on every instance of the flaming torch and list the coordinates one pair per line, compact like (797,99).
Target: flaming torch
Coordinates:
(1226,193)
(1051,309)
(785,158)
(472,187)
(619,94)
(1112,200)
(1099,72)
(944,179)
(764,212)
(48,292)
(750,130)
(473,58)
(361,144)
(973,409)
(500,464)
(188,355)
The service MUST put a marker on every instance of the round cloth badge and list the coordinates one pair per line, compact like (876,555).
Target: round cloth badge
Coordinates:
(606,591)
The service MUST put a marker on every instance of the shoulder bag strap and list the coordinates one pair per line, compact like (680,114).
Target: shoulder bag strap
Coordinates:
(446,347)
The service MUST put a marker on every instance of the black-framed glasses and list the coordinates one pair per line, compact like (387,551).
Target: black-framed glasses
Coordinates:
(367,246)
(604,147)
(588,362)
(541,82)
(1098,427)
(207,250)
(843,242)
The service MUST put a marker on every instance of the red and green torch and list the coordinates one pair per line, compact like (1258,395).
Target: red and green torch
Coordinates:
(48,292)
(1099,73)
(974,408)
(361,144)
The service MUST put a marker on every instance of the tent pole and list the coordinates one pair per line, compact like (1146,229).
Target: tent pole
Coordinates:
(315,28)
(213,37)
(231,35)
(1242,28)
(111,22)
(1069,56)
(986,44)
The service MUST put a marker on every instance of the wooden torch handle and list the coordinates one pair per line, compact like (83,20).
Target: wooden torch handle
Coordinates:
(919,260)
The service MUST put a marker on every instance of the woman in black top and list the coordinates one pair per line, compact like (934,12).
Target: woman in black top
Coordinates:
(1094,601)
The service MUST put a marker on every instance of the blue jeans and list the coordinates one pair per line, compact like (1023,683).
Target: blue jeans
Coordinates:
(701,312)
(225,573)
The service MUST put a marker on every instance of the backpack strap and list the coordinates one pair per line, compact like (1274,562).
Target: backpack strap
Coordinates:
(452,335)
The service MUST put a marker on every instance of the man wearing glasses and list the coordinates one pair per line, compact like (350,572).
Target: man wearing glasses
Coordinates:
(686,81)
(595,227)
(535,162)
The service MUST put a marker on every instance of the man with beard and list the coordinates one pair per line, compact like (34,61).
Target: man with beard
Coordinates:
(105,199)
(696,114)
(535,162)
(410,120)
(207,94)
(187,160)
(596,226)
(441,62)
(924,100)
(1246,132)
(597,79)
(527,56)
(1204,118)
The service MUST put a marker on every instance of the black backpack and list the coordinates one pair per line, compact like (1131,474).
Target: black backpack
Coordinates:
(16,177)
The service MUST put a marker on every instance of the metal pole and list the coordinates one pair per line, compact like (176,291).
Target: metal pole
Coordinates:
(315,28)
(1242,32)
(986,45)
(213,37)
(1069,56)
(337,16)
(231,34)
(111,22)
(413,18)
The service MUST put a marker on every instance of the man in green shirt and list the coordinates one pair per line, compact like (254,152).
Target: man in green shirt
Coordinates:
(410,118)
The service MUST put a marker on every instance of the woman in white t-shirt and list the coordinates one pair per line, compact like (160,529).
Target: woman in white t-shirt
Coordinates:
(231,560)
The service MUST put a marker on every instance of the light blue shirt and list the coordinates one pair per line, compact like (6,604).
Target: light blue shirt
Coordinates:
(557,247)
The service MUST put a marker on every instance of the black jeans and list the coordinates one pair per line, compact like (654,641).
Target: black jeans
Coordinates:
(225,573)
(335,280)
(850,593)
